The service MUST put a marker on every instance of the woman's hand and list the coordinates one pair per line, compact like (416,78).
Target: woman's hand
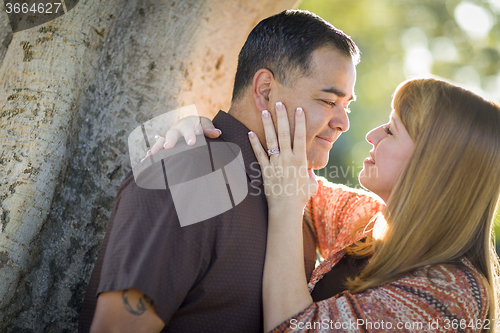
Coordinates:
(287,180)
(188,128)
(288,184)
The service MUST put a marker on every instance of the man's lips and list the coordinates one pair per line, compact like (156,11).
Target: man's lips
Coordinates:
(326,139)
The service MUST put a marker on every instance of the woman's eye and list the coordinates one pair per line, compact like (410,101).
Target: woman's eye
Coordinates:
(329,103)
(387,130)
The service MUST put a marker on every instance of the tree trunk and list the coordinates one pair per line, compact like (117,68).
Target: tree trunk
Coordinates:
(5,32)
(73,90)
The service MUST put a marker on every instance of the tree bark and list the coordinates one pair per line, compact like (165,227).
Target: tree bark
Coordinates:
(73,89)
(5,32)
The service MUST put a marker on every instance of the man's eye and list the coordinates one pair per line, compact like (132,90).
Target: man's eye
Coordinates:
(329,103)
(387,130)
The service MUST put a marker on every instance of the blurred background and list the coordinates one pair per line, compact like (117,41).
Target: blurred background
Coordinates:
(456,40)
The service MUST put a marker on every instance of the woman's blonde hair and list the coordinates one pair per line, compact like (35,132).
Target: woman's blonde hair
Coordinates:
(443,205)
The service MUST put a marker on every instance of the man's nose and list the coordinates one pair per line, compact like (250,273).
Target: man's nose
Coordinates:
(340,120)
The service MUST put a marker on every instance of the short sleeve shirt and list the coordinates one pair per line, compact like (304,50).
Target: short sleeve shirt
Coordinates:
(203,277)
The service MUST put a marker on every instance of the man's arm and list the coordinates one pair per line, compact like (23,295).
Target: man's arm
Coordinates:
(128,310)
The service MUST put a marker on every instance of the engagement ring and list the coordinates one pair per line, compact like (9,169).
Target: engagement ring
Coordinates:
(273,151)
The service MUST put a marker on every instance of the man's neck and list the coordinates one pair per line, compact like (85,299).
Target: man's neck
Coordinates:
(248,117)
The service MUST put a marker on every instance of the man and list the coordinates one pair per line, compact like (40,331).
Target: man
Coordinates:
(206,277)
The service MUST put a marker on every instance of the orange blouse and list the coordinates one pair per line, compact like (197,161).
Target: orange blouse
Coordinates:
(334,209)
(455,300)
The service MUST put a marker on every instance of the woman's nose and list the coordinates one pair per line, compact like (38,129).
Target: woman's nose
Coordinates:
(374,135)
(369,137)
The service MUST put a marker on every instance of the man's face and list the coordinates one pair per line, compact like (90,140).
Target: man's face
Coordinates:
(324,96)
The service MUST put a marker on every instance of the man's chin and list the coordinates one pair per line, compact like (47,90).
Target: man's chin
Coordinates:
(316,165)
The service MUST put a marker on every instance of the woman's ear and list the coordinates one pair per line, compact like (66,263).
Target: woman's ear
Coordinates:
(261,88)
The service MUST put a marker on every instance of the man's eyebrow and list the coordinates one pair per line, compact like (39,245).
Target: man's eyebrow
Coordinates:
(339,93)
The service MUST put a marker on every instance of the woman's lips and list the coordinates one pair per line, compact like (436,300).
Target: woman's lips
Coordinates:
(369,160)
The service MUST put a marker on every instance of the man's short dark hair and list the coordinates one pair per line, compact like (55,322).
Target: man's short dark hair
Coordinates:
(283,43)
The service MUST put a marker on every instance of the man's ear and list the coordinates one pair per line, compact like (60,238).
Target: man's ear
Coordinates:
(261,88)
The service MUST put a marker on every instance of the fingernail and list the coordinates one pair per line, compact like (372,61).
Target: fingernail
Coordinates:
(166,144)
(148,153)
(299,111)
(190,142)
(265,114)
(279,106)
(251,134)
(218,130)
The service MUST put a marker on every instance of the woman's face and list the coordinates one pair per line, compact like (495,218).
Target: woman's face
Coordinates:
(392,147)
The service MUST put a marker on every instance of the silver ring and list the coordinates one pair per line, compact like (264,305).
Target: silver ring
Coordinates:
(275,150)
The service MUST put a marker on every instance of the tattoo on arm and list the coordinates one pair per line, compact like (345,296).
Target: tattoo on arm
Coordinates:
(144,303)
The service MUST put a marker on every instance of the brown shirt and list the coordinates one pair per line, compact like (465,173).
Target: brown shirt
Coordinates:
(333,282)
(203,277)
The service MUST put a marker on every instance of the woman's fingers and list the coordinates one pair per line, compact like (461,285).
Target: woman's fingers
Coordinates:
(173,135)
(299,137)
(287,171)
(188,128)
(185,127)
(299,148)
(270,133)
(208,128)
(258,150)
(283,138)
(157,146)
(283,128)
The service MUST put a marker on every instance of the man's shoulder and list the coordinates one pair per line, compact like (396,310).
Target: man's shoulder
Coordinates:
(183,163)
(198,182)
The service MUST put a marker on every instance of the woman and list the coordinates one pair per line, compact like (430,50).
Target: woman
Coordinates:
(432,265)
